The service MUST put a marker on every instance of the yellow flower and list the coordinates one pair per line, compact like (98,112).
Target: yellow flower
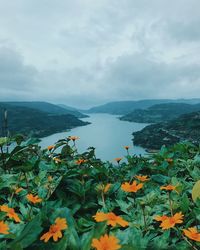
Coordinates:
(80,161)
(170,222)
(126,147)
(106,188)
(169,160)
(57,160)
(168,187)
(142,177)
(4,228)
(111,219)
(106,242)
(118,159)
(50,178)
(192,233)
(34,199)
(10,212)
(18,190)
(74,138)
(55,230)
(127,187)
(50,147)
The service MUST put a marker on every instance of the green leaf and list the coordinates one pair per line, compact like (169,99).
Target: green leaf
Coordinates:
(29,234)
(196,191)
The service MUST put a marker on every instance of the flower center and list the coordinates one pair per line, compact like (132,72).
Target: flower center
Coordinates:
(54,229)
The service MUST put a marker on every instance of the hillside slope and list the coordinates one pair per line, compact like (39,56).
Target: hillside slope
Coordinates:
(160,112)
(34,122)
(186,127)
(48,107)
(125,107)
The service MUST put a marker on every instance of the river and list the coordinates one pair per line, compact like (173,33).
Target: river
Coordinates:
(106,133)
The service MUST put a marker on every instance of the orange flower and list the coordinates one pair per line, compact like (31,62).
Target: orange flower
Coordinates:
(50,178)
(55,230)
(126,147)
(168,188)
(18,190)
(34,199)
(10,213)
(57,160)
(106,242)
(192,233)
(118,159)
(169,160)
(74,138)
(111,219)
(142,177)
(106,188)
(127,187)
(4,228)
(80,161)
(50,147)
(170,222)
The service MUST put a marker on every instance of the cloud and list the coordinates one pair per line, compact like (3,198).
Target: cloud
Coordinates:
(87,52)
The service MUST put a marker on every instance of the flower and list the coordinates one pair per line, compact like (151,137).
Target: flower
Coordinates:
(106,188)
(169,160)
(74,138)
(80,161)
(10,212)
(118,159)
(127,187)
(50,178)
(106,242)
(34,199)
(57,160)
(126,147)
(4,228)
(18,190)
(55,230)
(168,187)
(111,219)
(142,177)
(50,147)
(192,233)
(169,222)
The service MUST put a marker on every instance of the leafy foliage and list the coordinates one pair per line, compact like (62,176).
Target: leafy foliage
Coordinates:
(76,190)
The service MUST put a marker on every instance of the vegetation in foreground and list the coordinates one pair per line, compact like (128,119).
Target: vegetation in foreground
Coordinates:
(56,198)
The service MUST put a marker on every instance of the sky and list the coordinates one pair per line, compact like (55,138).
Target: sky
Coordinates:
(87,52)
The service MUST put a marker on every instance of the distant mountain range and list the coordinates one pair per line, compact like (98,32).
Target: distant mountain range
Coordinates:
(38,118)
(60,109)
(185,127)
(160,112)
(125,107)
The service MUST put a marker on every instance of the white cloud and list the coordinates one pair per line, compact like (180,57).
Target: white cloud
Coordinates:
(85,52)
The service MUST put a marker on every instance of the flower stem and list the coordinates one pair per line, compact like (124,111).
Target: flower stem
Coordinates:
(170,204)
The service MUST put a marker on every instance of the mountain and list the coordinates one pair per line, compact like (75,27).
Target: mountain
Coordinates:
(185,127)
(125,107)
(48,107)
(160,112)
(31,121)
(67,107)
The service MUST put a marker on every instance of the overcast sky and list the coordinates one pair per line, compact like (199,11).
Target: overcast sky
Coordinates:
(88,52)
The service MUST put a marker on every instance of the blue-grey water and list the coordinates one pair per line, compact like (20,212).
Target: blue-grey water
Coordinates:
(106,133)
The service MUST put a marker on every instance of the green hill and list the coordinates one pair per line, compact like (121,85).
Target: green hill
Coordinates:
(35,122)
(160,112)
(125,107)
(49,108)
(185,127)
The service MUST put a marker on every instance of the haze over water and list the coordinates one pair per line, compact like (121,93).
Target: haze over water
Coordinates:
(106,133)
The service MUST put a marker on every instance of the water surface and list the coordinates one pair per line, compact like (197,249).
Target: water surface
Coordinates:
(106,133)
